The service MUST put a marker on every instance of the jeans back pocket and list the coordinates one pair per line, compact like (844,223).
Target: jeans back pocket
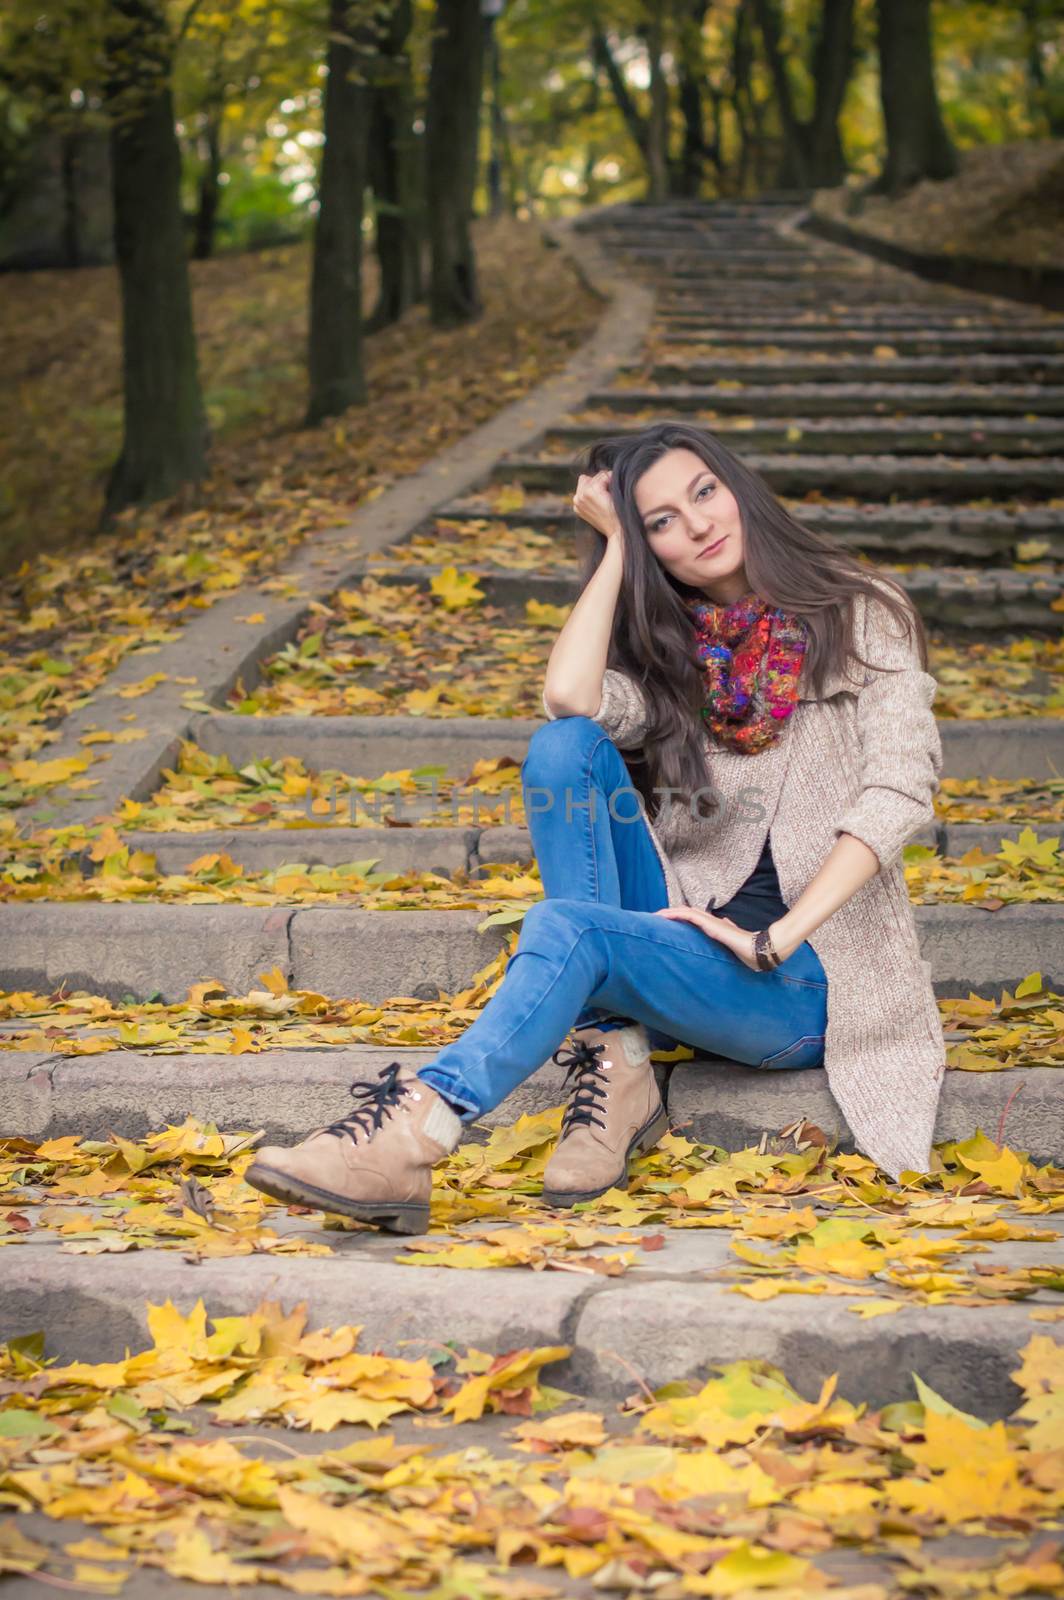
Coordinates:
(808,1051)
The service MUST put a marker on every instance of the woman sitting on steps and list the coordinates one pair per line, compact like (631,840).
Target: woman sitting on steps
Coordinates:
(739,890)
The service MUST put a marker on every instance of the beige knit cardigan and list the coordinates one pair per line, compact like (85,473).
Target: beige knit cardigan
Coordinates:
(863,759)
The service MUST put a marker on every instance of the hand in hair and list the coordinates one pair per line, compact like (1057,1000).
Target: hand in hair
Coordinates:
(593,504)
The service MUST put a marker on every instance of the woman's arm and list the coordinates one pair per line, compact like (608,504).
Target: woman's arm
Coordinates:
(846,868)
(572,686)
(578,683)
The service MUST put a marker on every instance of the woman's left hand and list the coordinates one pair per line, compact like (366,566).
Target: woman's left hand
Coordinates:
(740,941)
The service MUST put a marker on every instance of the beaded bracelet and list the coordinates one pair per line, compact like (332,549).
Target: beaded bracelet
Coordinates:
(765,953)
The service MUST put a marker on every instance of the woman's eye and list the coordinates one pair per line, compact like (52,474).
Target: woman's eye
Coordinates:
(656,527)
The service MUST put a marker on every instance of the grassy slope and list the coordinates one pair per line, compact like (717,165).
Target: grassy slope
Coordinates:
(1005,204)
(60,404)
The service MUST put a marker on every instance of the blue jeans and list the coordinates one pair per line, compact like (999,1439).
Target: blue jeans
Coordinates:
(593,952)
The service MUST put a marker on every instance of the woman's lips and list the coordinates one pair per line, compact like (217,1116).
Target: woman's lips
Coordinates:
(710,548)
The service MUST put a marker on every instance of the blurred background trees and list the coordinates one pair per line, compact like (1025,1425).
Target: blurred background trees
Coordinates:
(142,134)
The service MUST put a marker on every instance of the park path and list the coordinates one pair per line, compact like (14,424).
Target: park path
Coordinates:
(929,426)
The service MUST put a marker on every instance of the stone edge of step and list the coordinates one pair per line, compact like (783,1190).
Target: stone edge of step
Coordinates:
(411,847)
(161,949)
(611,1326)
(286,1091)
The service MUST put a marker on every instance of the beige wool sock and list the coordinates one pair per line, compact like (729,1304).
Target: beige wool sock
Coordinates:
(633,1040)
(442,1123)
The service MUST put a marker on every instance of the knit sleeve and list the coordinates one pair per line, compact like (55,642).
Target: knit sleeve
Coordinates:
(622,709)
(901,749)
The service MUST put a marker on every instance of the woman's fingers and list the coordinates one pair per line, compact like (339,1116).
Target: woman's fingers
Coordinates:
(738,940)
(592,502)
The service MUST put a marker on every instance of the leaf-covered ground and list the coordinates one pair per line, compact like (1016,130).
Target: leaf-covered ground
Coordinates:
(444,650)
(82,863)
(800,1218)
(171,1457)
(1005,204)
(204,791)
(490,1480)
(382,649)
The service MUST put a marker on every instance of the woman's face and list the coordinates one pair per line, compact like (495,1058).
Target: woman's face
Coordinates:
(692,524)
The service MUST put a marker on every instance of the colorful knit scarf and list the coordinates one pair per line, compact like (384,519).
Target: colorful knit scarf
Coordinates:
(752,656)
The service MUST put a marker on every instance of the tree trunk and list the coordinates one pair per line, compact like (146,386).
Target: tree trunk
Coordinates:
(658,121)
(337,379)
(496,138)
(68,162)
(451,124)
(739,72)
(918,145)
(812,151)
(1045,105)
(692,74)
(392,164)
(794,158)
(163,444)
(602,56)
(209,193)
(833,61)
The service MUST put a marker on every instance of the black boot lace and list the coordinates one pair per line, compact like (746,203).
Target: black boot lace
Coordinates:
(380,1095)
(583,1066)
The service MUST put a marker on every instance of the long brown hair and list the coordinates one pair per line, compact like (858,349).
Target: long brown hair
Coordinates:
(804,573)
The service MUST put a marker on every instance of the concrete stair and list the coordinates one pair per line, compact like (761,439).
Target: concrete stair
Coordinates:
(877,476)
(614,1326)
(161,949)
(287,1091)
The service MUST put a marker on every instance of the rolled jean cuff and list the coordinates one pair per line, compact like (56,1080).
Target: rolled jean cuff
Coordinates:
(446,1086)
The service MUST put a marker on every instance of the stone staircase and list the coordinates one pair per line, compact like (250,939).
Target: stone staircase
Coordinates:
(928,426)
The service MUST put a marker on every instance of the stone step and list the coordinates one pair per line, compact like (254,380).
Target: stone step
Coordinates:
(998,747)
(844,341)
(864,435)
(715,271)
(948,478)
(895,401)
(717,277)
(285,1092)
(405,846)
(683,257)
(972,369)
(676,312)
(962,598)
(146,948)
(893,310)
(95,1307)
(975,533)
(826,292)
(697,216)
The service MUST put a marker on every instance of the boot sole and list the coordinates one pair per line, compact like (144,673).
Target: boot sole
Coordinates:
(645,1139)
(393,1217)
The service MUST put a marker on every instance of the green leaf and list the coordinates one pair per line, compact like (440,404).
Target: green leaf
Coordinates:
(934,1402)
(21,1424)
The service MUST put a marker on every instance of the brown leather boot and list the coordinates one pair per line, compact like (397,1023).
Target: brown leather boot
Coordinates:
(376,1163)
(614,1110)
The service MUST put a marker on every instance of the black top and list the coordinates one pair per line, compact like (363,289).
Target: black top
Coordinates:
(758,902)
